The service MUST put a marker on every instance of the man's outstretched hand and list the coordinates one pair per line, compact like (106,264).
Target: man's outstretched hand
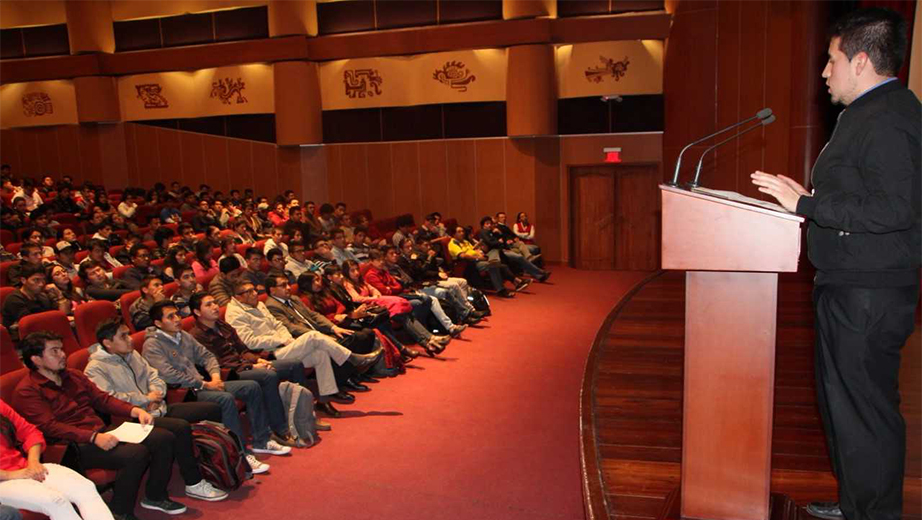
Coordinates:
(786,191)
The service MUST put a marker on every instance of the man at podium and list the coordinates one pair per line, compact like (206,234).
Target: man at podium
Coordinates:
(865,241)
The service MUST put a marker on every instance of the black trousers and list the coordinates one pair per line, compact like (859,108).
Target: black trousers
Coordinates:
(195,411)
(859,333)
(168,438)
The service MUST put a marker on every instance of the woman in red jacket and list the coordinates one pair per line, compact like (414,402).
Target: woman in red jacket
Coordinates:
(50,489)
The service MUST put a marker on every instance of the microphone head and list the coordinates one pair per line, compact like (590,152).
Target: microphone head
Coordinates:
(768,120)
(764,113)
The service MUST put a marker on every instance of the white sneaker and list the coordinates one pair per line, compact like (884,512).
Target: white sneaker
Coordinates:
(256,466)
(273,448)
(205,491)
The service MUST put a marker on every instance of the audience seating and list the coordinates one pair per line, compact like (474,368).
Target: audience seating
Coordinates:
(79,359)
(4,292)
(125,302)
(50,321)
(170,289)
(9,356)
(88,316)
(137,341)
(187,323)
(119,272)
(205,281)
(4,271)
(14,248)
(6,237)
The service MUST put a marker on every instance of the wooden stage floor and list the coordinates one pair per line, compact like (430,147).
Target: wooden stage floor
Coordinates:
(631,408)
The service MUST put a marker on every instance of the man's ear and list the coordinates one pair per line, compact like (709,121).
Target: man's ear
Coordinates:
(861,61)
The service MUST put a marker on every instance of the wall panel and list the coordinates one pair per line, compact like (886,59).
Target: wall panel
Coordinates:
(265,169)
(314,181)
(170,149)
(216,163)
(289,169)
(239,164)
(147,149)
(9,151)
(491,177)
(29,160)
(753,71)
(334,163)
(49,156)
(380,179)
(354,176)
(113,155)
(131,151)
(721,168)
(90,154)
(520,177)
(462,181)
(69,146)
(193,160)
(549,205)
(433,177)
(405,161)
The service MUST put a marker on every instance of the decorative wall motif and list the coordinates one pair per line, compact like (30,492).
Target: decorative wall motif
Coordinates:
(610,67)
(150,93)
(36,104)
(625,68)
(454,75)
(224,89)
(362,83)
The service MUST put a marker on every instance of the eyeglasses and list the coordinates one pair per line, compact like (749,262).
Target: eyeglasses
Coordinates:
(248,291)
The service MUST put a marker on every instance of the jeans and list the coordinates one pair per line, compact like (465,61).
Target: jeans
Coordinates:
(53,497)
(250,393)
(523,264)
(268,381)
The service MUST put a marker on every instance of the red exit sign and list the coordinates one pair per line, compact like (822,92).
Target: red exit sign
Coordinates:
(612,155)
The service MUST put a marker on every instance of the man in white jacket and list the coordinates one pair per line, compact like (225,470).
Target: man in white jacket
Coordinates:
(259,330)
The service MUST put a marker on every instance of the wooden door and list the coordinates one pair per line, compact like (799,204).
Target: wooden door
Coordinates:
(615,216)
(593,207)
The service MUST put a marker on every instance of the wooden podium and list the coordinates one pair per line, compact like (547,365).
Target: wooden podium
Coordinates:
(732,252)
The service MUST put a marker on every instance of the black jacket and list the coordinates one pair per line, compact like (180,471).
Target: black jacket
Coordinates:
(866,211)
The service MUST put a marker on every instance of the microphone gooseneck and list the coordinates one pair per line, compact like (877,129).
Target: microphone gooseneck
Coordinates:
(764,122)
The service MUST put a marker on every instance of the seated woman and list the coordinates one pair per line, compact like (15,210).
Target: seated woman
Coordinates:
(242,233)
(523,228)
(60,279)
(204,264)
(35,236)
(398,308)
(175,258)
(49,489)
(356,316)
(99,253)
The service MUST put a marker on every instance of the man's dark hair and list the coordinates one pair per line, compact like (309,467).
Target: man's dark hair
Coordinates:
(34,345)
(195,301)
(404,221)
(156,310)
(498,213)
(360,229)
(296,243)
(85,267)
(137,248)
(96,242)
(145,282)
(879,32)
(274,252)
(405,241)
(30,270)
(178,271)
(26,247)
(336,232)
(239,284)
(375,254)
(326,209)
(388,249)
(228,264)
(163,233)
(184,226)
(252,251)
(341,205)
(485,220)
(107,330)
(273,281)
(329,270)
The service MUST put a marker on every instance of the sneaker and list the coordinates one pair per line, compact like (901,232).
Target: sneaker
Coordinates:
(272,448)
(522,285)
(255,465)
(164,506)
(456,330)
(826,510)
(205,491)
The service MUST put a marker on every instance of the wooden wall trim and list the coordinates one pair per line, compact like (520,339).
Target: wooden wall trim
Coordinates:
(649,25)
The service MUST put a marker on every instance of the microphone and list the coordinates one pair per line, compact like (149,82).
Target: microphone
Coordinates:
(761,115)
(767,121)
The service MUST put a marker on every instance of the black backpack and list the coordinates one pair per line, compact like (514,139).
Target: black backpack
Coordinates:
(221,456)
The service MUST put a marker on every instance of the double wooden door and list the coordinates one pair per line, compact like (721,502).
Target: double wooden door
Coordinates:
(615,217)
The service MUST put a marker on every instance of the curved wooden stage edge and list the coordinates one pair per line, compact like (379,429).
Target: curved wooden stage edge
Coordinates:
(631,405)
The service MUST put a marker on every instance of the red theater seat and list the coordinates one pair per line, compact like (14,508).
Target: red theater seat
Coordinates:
(88,316)
(125,302)
(9,357)
(50,321)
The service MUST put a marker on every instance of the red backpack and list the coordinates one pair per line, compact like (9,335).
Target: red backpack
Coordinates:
(221,456)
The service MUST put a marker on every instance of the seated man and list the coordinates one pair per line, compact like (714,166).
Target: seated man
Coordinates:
(151,293)
(461,248)
(203,218)
(253,272)
(299,319)
(30,254)
(99,253)
(121,372)
(404,225)
(67,251)
(187,287)
(359,246)
(277,265)
(187,236)
(260,331)
(34,295)
(531,252)
(296,223)
(65,405)
(177,355)
(437,287)
(222,340)
(222,285)
(297,264)
(98,284)
(340,252)
(500,249)
(323,256)
(141,267)
(275,241)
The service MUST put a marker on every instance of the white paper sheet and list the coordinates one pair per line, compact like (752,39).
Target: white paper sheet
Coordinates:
(131,432)
(738,197)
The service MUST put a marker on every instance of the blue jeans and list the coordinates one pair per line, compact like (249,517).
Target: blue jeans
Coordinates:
(283,370)
(249,392)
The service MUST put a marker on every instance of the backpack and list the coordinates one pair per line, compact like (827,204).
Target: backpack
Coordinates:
(479,300)
(298,404)
(220,455)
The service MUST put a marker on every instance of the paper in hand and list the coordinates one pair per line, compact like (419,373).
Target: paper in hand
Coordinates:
(131,432)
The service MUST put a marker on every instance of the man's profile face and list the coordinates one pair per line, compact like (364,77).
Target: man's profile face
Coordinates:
(298,253)
(253,262)
(281,289)
(53,358)
(391,257)
(121,342)
(141,258)
(96,275)
(277,262)
(840,75)
(35,256)
(247,294)
(210,309)
(187,281)
(188,234)
(171,322)
(35,283)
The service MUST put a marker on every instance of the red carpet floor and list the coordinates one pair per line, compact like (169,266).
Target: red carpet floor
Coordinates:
(489,431)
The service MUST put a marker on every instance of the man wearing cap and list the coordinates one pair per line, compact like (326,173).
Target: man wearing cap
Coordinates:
(65,257)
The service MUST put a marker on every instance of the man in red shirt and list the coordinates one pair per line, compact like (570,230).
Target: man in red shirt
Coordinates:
(64,404)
